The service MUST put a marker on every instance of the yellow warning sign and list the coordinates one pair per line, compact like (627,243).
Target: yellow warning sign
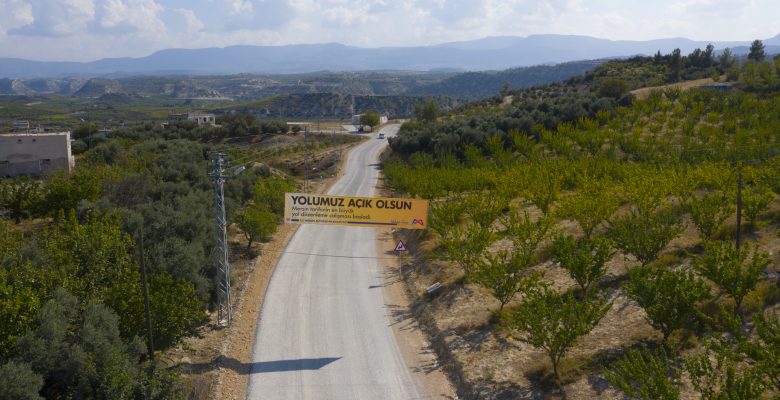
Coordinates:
(301,208)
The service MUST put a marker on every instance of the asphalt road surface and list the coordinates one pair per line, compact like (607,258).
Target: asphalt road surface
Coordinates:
(324,331)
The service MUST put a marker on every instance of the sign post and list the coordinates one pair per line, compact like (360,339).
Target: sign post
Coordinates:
(400,249)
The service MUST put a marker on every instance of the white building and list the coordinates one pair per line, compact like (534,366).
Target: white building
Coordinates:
(202,118)
(21,125)
(356,119)
(34,153)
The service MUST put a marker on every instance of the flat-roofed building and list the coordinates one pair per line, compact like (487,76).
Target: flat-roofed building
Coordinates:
(200,117)
(382,119)
(35,154)
(21,125)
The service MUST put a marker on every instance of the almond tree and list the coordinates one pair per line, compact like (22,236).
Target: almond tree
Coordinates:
(553,322)
(755,200)
(720,373)
(709,212)
(765,351)
(584,260)
(466,244)
(646,374)
(483,208)
(669,298)
(731,270)
(592,205)
(525,233)
(645,235)
(445,215)
(505,274)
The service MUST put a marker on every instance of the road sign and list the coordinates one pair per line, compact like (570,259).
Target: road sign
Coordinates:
(401,246)
(302,208)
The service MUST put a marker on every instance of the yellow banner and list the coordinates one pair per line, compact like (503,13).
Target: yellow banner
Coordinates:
(301,208)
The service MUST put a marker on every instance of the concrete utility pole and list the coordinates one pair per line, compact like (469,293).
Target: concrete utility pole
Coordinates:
(224,308)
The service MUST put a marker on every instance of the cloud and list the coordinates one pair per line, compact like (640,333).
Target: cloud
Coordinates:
(57,17)
(453,11)
(124,16)
(192,22)
(258,14)
(352,16)
(239,7)
(90,29)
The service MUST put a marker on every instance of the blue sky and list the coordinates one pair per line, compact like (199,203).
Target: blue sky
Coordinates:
(78,30)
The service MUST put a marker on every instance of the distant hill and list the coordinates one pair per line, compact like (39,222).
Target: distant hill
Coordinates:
(98,87)
(6,86)
(246,87)
(477,85)
(491,53)
(333,105)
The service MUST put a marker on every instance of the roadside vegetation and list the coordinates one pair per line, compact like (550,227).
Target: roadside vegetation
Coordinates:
(71,302)
(599,231)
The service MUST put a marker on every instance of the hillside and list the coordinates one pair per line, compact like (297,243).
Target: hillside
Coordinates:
(585,246)
(477,85)
(333,106)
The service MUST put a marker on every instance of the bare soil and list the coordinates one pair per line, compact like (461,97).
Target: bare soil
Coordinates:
(485,362)
(644,92)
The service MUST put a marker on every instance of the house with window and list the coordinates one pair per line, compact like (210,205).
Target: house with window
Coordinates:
(35,154)
(200,117)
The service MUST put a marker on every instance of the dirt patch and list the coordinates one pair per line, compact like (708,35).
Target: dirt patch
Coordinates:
(644,92)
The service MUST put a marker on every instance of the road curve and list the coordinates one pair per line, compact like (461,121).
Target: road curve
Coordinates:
(323,331)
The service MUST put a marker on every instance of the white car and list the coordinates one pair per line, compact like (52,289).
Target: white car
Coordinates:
(381,136)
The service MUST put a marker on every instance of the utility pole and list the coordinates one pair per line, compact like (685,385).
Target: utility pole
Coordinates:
(305,160)
(739,206)
(149,339)
(224,308)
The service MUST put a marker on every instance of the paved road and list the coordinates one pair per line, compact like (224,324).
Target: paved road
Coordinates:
(323,330)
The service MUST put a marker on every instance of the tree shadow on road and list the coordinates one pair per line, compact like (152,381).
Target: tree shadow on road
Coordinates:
(260,367)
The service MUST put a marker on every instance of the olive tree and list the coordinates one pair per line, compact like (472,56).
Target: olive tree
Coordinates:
(257,223)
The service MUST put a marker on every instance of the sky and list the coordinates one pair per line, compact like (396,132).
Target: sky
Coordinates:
(83,30)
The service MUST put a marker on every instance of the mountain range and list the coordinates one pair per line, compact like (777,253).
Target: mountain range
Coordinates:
(491,53)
